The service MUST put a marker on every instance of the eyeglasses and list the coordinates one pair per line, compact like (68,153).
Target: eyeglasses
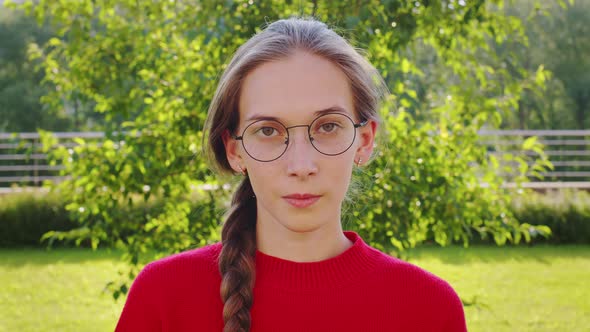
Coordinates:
(330,134)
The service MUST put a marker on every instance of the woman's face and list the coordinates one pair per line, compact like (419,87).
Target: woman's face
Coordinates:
(292,91)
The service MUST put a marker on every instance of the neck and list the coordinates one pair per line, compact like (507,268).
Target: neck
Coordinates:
(311,246)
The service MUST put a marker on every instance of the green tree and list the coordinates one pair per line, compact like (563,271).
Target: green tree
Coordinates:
(151,69)
(565,40)
(557,39)
(20,84)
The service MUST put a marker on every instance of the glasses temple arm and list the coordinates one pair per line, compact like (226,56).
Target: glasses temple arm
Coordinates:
(362,124)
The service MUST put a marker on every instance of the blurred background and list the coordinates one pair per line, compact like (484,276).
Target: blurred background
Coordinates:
(481,173)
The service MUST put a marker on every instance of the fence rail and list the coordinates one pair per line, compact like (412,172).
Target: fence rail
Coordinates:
(22,164)
(568,151)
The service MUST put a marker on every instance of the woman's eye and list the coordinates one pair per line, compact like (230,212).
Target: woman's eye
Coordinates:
(267,131)
(328,127)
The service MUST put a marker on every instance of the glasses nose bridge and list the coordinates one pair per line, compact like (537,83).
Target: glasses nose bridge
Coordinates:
(307,133)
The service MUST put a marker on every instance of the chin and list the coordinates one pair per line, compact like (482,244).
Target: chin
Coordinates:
(298,227)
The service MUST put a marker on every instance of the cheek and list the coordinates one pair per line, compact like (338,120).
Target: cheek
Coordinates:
(338,172)
(264,177)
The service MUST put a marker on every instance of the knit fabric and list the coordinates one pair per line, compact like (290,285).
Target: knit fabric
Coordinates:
(362,289)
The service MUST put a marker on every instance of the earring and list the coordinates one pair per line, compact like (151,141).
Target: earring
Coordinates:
(243,171)
(358,162)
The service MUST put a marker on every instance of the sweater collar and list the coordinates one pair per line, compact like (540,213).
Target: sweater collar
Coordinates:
(352,264)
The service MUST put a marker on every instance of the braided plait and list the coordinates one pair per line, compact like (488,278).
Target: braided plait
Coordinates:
(236,260)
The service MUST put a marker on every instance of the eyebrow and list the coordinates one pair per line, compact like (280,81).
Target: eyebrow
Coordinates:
(333,109)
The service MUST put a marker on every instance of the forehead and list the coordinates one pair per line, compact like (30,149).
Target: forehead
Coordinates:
(294,89)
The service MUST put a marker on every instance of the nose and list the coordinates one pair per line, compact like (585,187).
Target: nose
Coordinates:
(300,154)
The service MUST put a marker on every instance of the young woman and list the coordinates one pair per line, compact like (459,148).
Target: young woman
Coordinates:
(294,112)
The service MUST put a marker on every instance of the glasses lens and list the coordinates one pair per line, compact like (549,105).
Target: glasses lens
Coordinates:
(265,140)
(332,134)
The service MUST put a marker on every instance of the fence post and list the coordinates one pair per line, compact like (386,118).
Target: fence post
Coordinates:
(35,164)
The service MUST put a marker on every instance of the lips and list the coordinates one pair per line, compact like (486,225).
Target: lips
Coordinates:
(301,200)
(301,196)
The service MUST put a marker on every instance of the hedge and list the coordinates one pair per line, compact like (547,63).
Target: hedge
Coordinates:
(25,217)
(566,212)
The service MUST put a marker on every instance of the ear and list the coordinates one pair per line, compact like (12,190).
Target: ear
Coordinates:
(232,151)
(366,136)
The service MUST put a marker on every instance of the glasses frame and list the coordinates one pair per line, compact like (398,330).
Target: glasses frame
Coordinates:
(311,139)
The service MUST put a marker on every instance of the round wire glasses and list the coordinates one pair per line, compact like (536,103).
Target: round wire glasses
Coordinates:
(330,134)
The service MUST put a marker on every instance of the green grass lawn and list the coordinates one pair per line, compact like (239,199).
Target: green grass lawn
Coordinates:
(58,290)
(545,288)
(507,289)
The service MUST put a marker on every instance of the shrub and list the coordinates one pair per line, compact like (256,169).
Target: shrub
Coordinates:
(25,217)
(36,219)
(566,212)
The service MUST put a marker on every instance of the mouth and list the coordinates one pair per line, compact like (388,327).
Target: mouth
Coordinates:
(301,200)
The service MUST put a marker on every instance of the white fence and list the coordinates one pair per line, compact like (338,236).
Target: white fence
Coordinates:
(568,151)
(22,165)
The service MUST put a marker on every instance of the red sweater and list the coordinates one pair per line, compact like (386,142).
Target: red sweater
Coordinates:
(361,289)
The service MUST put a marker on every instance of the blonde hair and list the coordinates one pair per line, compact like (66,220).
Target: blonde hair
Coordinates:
(278,40)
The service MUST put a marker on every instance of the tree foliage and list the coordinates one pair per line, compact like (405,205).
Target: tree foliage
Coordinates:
(20,87)
(21,83)
(558,38)
(151,67)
